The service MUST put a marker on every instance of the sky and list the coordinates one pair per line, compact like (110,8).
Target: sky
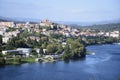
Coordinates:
(62,10)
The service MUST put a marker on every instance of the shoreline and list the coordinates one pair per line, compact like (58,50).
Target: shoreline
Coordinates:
(28,60)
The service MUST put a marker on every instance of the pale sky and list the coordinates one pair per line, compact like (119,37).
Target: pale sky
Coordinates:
(62,10)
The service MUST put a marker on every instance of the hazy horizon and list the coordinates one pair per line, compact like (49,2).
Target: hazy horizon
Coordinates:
(74,10)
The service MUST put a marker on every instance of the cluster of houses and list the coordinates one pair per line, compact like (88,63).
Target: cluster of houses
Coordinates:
(43,27)
(114,34)
(59,29)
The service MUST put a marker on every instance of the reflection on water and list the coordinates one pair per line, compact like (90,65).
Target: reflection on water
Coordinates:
(104,65)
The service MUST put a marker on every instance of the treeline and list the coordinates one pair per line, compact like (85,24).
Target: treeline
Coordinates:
(99,40)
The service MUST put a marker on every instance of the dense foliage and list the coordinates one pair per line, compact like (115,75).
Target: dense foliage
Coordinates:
(99,40)
(16,42)
(74,50)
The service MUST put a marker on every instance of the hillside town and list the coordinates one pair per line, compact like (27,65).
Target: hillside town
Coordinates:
(54,35)
(46,27)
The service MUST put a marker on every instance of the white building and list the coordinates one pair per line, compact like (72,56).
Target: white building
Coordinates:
(115,34)
(7,24)
(2,32)
(37,50)
(107,34)
(25,51)
(5,39)
(64,44)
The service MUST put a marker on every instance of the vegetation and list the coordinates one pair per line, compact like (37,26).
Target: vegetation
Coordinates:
(26,60)
(54,48)
(15,43)
(56,36)
(16,60)
(98,40)
(74,50)
(11,29)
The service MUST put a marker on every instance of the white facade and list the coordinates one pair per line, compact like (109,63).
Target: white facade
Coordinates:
(25,51)
(114,35)
(64,44)
(6,39)
(2,32)
(37,50)
(107,34)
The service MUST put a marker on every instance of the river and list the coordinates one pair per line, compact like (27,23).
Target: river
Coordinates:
(104,65)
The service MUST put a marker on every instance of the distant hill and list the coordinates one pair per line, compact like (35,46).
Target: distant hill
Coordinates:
(104,27)
(2,20)
(19,20)
(5,19)
(71,23)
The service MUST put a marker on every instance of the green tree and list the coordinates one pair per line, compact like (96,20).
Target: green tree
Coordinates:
(15,43)
(66,54)
(51,48)
(41,50)
(59,48)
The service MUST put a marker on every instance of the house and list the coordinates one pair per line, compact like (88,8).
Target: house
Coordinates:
(114,34)
(5,39)
(107,34)
(64,44)
(2,32)
(34,38)
(7,24)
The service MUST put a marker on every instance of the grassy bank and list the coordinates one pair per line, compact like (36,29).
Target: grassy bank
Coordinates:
(15,61)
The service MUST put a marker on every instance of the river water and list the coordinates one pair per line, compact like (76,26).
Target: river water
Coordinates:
(104,65)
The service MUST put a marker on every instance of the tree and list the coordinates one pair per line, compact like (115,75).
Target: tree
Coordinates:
(34,53)
(25,33)
(56,36)
(32,43)
(15,43)
(59,48)
(0,39)
(41,50)
(66,54)
(51,48)
(1,55)
(44,45)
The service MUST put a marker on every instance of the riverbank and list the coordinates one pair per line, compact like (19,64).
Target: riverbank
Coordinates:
(16,61)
